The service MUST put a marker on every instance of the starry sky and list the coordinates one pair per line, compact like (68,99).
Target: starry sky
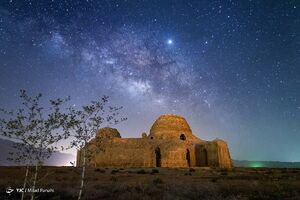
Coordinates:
(231,68)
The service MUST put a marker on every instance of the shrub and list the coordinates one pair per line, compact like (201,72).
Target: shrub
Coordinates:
(138,189)
(97,187)
(154,171)
(100,170)
(114,171)
(157,181)
(224,173)
(113,179)
(214,180)
(224,170)
(141,172)
(93,179)
(192,170)
(61,172)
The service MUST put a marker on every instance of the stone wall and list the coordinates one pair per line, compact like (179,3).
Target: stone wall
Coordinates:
(224,159)
(214,154)
(164,147)
(141,152)
(125,153)
(174,153)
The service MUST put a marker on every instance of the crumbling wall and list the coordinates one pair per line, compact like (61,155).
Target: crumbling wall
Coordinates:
(170,135)
(201,155)
(213,154)
(176,154)
(127,153)
(119,152)
(141,152)
(224,159)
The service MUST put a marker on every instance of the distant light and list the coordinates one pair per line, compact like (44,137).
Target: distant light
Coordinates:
(256,164)
(170,41)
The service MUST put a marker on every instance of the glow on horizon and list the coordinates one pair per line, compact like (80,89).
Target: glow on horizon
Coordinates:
(256,164)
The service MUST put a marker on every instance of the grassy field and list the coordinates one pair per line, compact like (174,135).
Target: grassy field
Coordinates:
(158,183)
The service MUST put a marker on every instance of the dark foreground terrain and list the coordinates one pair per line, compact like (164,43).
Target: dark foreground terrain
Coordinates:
(160,183)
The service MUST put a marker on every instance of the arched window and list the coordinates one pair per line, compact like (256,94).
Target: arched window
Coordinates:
(182,137)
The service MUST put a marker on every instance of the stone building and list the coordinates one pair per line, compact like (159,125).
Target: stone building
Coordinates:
(170,143)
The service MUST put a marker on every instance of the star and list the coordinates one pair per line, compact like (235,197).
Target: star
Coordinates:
(170,41)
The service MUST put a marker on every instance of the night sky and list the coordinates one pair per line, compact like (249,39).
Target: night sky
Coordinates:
(231,68)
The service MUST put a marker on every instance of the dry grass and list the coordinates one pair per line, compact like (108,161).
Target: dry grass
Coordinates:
(162,183)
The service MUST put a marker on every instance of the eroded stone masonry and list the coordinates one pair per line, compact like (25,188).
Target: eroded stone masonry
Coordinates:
(170,143)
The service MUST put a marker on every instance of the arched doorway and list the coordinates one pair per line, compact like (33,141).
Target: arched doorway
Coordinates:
(188,157)
(204,157)
(201,156)
(157,157)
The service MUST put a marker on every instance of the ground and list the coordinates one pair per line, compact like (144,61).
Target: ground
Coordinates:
(159,183)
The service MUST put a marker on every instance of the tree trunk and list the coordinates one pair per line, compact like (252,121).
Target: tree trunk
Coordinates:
(82,174)
(25,181)
(34,181)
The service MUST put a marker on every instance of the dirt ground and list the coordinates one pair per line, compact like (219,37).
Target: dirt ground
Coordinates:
(157,183)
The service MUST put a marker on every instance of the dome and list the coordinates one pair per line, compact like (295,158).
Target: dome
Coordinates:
(170,126)
(108,133)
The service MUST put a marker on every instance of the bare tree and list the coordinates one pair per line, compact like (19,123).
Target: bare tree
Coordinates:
(35,130)
(83,125)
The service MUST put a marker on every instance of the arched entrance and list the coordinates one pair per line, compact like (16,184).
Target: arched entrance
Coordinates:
(157,157)
(201,156)
(188,157)
(204,157)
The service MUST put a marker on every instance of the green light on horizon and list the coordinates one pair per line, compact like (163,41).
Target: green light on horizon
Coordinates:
(256,164)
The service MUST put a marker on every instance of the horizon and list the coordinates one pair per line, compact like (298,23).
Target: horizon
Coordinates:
(74,153)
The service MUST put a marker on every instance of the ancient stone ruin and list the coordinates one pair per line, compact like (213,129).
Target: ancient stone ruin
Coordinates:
(170,143)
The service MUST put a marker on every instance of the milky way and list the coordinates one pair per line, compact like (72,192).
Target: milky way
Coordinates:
(232,68)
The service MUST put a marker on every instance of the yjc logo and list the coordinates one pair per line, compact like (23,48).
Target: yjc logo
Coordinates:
(20,189)
(9,190)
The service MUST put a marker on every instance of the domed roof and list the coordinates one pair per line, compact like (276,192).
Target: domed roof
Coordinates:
(108,133)
(170,126)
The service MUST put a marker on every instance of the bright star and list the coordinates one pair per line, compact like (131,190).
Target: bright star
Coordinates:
(170,41)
